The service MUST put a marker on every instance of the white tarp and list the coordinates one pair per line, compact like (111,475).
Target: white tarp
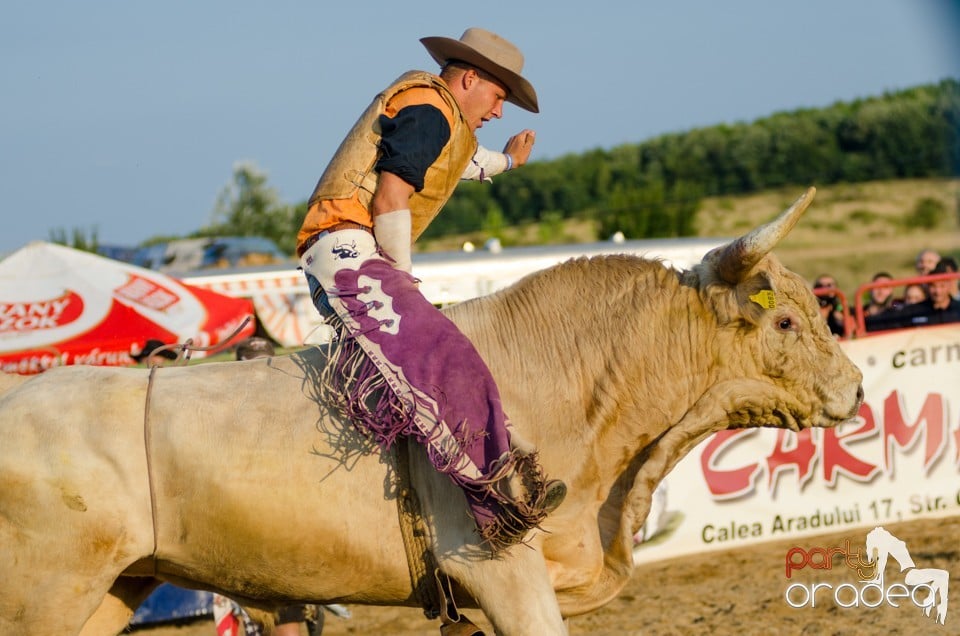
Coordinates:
(62,306)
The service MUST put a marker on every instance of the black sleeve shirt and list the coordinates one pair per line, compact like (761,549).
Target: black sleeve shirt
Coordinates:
(411,142)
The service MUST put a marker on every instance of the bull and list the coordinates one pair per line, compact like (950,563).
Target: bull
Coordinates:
(236,477)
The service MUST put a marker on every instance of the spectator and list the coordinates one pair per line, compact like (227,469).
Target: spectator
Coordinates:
(926,261)
(938,308)
(830,307)
(254,347)
(941,306)
(950,265)
(155,353)
(290,617)
(914,293)
(881,298)
(230,618)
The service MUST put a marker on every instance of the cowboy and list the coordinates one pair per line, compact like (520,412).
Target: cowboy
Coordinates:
(412,373)
(254,347)
(155,353)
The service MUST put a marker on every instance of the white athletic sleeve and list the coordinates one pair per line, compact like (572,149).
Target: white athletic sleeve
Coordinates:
(485,164)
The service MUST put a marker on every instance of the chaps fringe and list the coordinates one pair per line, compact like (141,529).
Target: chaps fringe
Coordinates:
(357,389)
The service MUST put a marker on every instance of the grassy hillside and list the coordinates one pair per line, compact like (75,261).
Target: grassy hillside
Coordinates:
(850,231)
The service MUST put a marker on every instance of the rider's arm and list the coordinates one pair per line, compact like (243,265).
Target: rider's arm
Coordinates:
(391,219)
(413,133)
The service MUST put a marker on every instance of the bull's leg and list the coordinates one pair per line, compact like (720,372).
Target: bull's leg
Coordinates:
(58,606)
(118,606)
(61,551)
(58,562)
(36,596)
(513,589)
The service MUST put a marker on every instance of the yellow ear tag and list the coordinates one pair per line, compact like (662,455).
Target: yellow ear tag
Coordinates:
(765,299)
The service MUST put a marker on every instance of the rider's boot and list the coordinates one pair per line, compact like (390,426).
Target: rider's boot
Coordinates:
(529,477)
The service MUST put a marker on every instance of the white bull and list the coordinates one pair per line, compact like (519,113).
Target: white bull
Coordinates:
(234,477)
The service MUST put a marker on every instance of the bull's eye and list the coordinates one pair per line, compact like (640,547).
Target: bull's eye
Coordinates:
(785,324)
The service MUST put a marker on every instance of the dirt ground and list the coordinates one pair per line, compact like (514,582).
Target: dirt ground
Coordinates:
(731,592)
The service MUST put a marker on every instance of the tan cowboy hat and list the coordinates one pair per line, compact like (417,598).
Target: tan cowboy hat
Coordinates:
(491,53)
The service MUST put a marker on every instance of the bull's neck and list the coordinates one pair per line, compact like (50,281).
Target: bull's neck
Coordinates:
(599,371)
(595,375)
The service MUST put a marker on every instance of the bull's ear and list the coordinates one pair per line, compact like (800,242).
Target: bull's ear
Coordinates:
(755,296)
(744,302)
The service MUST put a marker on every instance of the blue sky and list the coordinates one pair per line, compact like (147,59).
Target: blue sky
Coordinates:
(127,117)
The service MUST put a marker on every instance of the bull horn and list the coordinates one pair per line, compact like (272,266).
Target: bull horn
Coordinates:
(739,257)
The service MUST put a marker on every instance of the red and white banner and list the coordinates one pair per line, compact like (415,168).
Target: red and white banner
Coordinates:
(61,306)
(899,460)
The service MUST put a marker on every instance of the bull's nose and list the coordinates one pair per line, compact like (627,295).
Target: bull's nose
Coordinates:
(856,406)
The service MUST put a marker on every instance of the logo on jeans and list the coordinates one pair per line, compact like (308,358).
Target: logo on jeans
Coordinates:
(345,250)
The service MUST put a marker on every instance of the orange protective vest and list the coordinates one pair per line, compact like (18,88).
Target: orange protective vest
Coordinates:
(346,187)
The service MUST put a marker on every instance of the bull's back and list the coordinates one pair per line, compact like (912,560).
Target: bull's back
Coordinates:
(250,467)
(11,380)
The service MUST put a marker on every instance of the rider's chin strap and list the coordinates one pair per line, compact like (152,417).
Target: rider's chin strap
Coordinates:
(432,588)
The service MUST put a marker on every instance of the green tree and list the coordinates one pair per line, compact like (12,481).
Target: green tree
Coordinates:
(79,239)
(493,223)
(651,188)
(247,206)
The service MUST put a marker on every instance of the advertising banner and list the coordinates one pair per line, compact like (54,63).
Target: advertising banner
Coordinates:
(61,306)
